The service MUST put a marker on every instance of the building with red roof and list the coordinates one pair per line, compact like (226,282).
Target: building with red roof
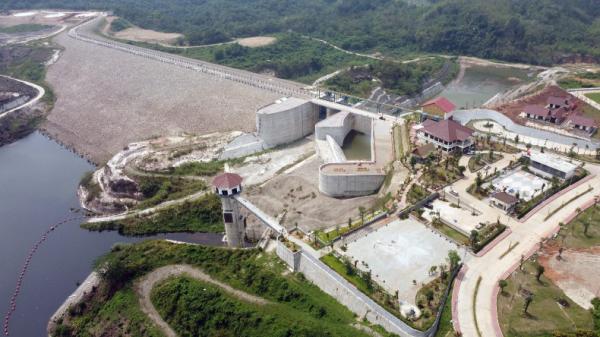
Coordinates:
(446,134)
(438,106)
(579,122)
(227,184)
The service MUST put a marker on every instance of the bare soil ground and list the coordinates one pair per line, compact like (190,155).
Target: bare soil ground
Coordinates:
(257,41)
(577,272)
(107,99)
(146,35)
(297,194)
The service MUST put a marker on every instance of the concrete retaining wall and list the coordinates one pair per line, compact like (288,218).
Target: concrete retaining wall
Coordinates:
(337,126)
(292,259)
(349,185)
(286,121)
(336,151)
(362,124)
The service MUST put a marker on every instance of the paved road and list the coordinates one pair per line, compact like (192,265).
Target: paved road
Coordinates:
(41,93)
(492,266)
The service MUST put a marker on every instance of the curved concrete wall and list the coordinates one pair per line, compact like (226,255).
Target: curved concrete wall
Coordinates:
(349,185)
(465,116)
(286,121)
(337,126)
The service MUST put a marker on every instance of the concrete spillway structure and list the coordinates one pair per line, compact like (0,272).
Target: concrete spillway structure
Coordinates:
(285,121)
(358,178)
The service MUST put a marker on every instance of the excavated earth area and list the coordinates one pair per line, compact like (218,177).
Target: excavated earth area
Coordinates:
(577,272)
(296,197)
(107,99)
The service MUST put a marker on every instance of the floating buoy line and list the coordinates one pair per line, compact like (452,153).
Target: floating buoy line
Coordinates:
(12,307)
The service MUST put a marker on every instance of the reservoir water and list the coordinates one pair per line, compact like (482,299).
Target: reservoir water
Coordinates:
(357,146)
(480,83)
(38,180)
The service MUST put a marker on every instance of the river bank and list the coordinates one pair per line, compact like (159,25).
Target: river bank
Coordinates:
(39,179)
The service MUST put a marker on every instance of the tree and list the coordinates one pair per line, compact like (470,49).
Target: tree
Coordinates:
(560,251)
(517,139)
(349,269)
(432,270)
(491,155)
(429,295)
(521,262)
(454,259)
(528,300)
(539,271)
(361,211)
(349,223)
(502,284)
(474,239)
(586,227)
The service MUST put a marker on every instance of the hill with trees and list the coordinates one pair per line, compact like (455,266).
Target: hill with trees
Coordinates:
(533,31)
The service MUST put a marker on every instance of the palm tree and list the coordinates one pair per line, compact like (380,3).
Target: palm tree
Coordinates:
(502,284)
(474,238)
(361,211)
(586,226)
(539,271)
(528,301)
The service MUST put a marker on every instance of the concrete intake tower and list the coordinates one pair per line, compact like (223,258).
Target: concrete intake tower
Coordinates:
(227,186)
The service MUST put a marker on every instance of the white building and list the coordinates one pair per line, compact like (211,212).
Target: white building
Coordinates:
(550,165)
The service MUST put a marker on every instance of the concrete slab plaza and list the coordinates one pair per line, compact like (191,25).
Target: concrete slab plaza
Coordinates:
(399,253)
(461,219)
(518,181)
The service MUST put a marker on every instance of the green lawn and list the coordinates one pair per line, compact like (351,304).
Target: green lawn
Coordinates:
(113,310)
(545,314)
(573,233)
(451,233)
(594,96)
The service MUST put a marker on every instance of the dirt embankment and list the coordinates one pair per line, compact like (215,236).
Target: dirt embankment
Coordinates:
(107,99)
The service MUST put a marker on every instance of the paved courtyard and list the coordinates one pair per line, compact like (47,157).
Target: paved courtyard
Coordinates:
(460,218)
(399,253)
(526,184)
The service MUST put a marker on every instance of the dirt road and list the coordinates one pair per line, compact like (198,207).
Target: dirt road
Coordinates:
(144,287)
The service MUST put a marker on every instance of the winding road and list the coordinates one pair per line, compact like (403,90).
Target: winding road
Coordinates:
(144,286)
(475,307)
(41,93)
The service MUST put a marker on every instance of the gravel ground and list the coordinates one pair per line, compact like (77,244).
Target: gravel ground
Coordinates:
(107,99)
(297,194)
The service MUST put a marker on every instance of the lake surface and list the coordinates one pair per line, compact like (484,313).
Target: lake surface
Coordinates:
(38,180)
(480,83)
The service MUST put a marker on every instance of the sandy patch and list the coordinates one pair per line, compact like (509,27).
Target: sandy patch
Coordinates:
(577,273)
(146,35)
(55,15)
(24,14)
(257,41)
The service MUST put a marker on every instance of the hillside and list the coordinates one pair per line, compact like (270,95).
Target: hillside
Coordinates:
(534,31)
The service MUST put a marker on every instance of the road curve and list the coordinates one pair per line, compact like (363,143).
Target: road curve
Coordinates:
(144,286)
(499,262)
(41,93)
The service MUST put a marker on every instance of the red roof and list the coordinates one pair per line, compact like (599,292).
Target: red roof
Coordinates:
(227,181)
(560,101)
(582,121)
(536,110)
(442,103)
(447,130)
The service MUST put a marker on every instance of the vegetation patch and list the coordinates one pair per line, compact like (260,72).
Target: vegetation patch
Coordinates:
(202,215)
(416,194)
(307,309)
(24,28)
(158,189)
(528,307)
(450,232)
(594,97)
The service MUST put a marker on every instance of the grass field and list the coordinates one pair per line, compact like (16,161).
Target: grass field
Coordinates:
(113,309)
(594,97)
(545,314)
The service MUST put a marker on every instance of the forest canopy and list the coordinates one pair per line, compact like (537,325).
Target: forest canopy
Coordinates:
(533,31)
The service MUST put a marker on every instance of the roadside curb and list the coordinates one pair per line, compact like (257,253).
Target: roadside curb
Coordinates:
(554,197)
(455,290)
